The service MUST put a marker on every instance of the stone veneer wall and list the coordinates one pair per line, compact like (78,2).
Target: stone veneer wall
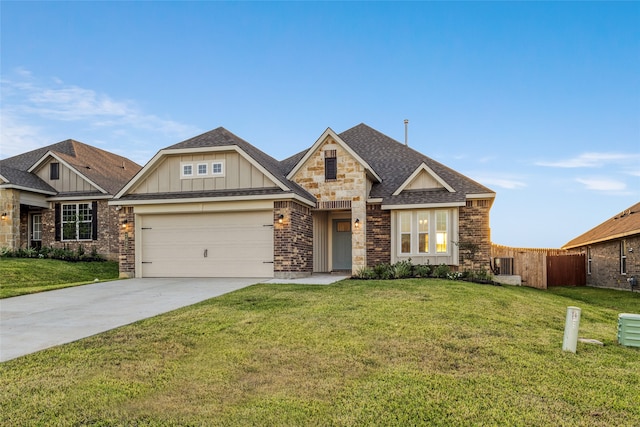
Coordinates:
(107,242)
(378,235)
(126,242)
(474,228)
(293,240)
(10,226)
(350,186)
(605,263)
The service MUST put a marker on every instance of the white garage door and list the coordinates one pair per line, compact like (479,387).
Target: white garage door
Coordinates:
(229,244)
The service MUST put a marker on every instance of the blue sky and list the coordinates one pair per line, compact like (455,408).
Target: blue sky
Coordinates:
(539,101)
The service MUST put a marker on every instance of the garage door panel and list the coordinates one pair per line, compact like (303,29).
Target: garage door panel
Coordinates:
(238,244)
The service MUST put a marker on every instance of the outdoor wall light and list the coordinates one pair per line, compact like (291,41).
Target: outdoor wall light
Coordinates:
(124,224)
(280,219)
(357,224)
(4,216)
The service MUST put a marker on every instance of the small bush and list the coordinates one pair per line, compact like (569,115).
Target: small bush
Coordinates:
(365,273)
(383,271)
(402,269)
(422,270)
(442,271)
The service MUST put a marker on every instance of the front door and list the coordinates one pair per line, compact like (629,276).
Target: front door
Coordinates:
(36,231)
(341,246)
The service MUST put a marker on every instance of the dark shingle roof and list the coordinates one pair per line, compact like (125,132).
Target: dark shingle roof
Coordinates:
(624,224)
(107,170)
(220,137)
(394,162)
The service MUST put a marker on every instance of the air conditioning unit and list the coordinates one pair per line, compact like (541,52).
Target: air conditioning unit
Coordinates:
(504,266)
(629,329)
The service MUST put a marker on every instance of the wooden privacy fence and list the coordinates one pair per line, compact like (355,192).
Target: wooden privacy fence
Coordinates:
(566,270)
(531,264)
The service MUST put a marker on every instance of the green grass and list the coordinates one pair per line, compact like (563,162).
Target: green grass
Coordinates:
(394,353)
(19,276)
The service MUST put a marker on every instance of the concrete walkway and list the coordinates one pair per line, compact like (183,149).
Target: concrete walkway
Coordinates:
(30,323)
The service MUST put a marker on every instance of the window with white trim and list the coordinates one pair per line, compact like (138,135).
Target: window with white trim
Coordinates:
(217,168)
(405,232)
(77,221)
(415,227)
(186,170)
(203,169)
(442,227)
(623,257)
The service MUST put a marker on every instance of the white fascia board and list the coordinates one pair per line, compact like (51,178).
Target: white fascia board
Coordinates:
(377,200)
(141,173)
(32,190)
(424,206)
(3,178)
(55,156)
(330,133)
(71,198)
(604,239)
(423,167)
(481,196)
(293,196)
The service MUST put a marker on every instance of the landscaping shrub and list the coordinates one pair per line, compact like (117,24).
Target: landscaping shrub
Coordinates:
(64,253)
(442,271)
(402,269)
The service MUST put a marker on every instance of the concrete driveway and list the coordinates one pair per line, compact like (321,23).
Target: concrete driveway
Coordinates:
(30,323)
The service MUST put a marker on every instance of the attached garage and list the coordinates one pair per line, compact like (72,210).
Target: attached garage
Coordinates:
(220,244)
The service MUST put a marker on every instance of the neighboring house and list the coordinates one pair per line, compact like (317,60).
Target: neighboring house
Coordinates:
(57,196)
(611,250)
(215,205)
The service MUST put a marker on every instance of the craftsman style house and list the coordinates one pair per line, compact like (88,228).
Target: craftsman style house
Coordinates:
(611,250)
(57,196)
(215,205)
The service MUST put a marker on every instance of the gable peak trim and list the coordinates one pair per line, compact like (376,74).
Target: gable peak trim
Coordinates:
(51,154)
(423,167)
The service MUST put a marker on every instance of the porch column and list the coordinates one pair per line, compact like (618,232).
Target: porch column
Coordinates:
(10,225)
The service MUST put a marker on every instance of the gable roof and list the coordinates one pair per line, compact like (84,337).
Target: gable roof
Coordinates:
(396,162)
(626,223)
(106,170)
(222,138)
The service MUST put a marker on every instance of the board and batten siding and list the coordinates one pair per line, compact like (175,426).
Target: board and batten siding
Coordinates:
(239,173)
(69,180)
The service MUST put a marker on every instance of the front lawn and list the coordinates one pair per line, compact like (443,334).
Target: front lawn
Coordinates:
(19,276)
(388,353)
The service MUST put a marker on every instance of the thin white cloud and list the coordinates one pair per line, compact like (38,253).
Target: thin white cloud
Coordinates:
(501,181)
(29,105)
(592,160)
(603,184)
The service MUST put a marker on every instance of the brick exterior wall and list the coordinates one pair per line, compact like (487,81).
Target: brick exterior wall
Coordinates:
(605,263)
(10,226)
(126,243)
(474,230)
(107,242)
(293,240)
(378,236)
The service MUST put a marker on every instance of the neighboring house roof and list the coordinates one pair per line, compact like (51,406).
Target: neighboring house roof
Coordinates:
(108,171)
(626,223)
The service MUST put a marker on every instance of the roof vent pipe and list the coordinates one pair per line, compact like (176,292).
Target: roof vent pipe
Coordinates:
(406,135)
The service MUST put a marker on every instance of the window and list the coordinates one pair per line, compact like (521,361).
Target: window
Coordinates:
(330,165)
(414,229)
(423,232)
(589,260)
(623,257)
(187,170)
(441,231)
(202,169)
(77,221)
(217,168)
(54,171)
(405,232)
